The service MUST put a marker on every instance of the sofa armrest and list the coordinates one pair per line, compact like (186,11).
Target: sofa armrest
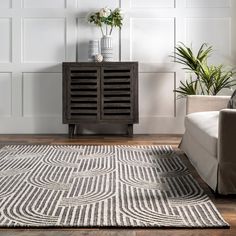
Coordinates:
(227,151)
(199,103)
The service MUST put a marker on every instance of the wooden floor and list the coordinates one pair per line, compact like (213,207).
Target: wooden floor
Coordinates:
(226,205)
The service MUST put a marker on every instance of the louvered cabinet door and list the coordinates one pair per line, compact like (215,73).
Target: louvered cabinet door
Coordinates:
(83,92)
(117,93)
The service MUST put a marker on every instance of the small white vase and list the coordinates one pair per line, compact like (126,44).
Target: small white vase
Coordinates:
(106,48)
(93,49)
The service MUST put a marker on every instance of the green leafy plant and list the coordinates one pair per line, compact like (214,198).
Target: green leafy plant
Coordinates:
(107,18)
(204,79)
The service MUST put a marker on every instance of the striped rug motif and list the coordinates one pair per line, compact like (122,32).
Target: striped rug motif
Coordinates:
(96,186)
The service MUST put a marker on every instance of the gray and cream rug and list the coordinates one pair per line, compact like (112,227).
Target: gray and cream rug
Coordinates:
(100,186)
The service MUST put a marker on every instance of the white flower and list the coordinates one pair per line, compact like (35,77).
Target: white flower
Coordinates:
(104,12)
(118,9)
(122,13)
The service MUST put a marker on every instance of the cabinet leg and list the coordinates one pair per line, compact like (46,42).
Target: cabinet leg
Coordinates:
(130,129)
(71,130)
(76,131)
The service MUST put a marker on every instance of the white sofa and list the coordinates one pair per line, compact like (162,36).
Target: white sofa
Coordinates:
(209,141)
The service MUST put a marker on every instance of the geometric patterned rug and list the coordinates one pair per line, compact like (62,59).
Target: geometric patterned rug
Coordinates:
(100,186)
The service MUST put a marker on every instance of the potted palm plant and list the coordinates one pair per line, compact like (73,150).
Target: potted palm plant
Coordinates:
(205,81)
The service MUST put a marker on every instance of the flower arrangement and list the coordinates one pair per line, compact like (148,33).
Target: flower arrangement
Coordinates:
(204,79)
(108,18)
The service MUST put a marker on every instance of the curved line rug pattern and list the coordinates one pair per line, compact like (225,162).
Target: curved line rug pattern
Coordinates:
(96,186)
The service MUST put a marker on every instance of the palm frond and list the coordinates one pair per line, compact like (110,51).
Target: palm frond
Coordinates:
(211,79)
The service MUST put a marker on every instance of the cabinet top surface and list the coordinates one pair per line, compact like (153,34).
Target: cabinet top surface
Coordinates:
(101,63)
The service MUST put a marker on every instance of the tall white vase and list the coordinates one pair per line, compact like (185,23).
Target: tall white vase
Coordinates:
(106,48)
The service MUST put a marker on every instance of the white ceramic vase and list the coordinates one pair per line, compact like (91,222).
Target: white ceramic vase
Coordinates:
(93,49)
(106,48)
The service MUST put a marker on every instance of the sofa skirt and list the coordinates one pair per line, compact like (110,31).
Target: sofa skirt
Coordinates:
(205,164)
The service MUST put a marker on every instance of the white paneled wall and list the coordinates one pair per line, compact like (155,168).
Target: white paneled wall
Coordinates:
(37,35)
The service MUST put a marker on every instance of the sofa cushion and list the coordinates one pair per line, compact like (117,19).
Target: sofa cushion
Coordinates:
(203,126)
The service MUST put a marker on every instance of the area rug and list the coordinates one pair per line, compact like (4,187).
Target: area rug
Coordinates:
(100,186)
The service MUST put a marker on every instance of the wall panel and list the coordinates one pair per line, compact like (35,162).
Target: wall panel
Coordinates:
(42,94)
(208,3)
(6,40)
(153,39)
(152,3)
(5,4)
(196,29)
(156,94)
(44,40)
(5,94)
(44,3)
(87,6)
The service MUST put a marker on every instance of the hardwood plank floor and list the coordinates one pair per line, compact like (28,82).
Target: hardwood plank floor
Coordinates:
(225,204)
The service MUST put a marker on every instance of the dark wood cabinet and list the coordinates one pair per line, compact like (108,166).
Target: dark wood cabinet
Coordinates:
(104,92)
